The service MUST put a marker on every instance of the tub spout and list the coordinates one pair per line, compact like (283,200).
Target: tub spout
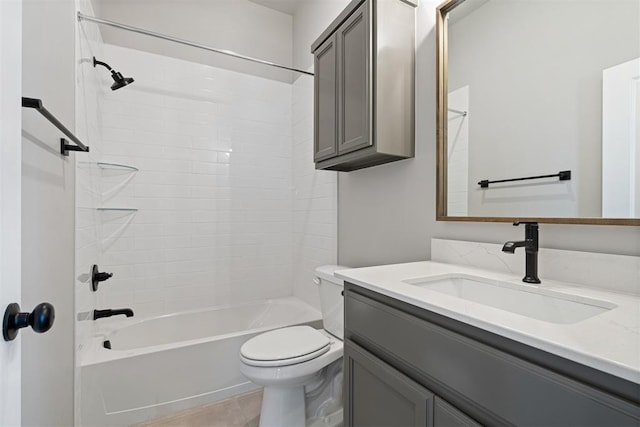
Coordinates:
(98,314)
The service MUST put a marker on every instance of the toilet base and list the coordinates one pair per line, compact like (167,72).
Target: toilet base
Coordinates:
(283,406)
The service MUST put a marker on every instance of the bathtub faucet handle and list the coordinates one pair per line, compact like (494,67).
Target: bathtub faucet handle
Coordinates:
(97,276)
(99,314)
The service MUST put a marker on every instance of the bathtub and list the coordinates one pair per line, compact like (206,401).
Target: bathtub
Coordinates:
(165,364)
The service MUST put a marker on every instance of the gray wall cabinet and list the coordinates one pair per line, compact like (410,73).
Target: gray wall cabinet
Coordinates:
(325,87)
(364,86)
(464,375)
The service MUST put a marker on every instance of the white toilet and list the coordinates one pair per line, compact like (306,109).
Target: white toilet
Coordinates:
(290,362)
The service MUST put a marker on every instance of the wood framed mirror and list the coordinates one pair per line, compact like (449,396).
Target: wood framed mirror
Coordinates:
(538,111)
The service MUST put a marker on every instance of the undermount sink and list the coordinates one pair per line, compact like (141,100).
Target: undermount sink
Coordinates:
(525,300)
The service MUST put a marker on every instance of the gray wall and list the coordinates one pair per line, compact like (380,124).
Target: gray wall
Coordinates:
(534,71)
(48,73)
(386,214)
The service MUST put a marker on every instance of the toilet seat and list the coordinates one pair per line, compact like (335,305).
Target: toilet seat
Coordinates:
(283,347)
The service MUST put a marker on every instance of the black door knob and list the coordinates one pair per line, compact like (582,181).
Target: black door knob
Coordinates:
(40,319)
(97,276)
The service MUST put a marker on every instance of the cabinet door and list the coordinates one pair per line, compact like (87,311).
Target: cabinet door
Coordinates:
(354,81)
(378,395)
(325,105)
(445,415)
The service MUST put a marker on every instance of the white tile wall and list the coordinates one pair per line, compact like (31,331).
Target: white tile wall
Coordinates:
(89,86)
(213,193)
(315,217)
(230,207)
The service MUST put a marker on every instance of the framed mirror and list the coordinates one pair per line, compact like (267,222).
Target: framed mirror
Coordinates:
(538,114)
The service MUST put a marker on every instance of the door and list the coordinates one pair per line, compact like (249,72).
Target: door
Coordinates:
(354,81)
(325,105)
(10,205)
(378,395)
(48,211)
(621,140)
(36,209)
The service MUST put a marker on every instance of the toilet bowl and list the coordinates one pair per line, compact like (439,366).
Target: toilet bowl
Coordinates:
(289,361)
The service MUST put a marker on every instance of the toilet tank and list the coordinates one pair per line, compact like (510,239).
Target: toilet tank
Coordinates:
(331,299)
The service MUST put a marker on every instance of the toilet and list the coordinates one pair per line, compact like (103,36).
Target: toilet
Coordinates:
(300,367)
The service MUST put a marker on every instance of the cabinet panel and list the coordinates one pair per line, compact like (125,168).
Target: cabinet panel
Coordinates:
(379,395)
(354,105)
(445,415)
(325,88)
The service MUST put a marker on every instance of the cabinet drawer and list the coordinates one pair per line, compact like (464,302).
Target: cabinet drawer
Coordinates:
(514,390)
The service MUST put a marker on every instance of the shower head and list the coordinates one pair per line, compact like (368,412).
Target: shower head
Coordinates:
(118,78)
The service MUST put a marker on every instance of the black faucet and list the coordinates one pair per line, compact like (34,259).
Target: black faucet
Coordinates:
(530,245)
(99,314)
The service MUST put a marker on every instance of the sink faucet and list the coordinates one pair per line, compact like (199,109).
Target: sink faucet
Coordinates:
(99,314)
(530,245)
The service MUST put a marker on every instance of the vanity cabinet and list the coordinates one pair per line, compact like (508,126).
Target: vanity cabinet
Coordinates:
(399,357)
(383,396)
(364,86)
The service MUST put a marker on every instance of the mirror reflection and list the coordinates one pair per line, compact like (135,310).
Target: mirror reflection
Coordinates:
(545,88)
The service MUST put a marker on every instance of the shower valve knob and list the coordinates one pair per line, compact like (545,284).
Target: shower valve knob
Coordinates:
(40,319)
(98,276)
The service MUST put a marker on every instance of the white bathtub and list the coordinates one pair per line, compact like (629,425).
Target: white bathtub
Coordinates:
(165,364)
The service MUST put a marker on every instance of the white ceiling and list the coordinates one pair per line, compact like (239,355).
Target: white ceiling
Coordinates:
(285,6)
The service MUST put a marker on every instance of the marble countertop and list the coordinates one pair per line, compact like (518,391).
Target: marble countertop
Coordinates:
(609,341)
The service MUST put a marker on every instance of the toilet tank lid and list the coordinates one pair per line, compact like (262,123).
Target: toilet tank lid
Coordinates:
(326,272)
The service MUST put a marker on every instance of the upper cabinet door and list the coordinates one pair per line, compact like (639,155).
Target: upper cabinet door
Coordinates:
(354,80)
(325,87)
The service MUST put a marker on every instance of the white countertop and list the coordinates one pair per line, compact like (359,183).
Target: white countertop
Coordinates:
(609,342)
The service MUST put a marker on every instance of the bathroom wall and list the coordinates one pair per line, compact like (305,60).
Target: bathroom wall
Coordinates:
(237,25)
(387,213)
(48,181)
(312,17)
(315,192)
(528,103)
(241,213)
(90,87)
(314,200)
(213,224)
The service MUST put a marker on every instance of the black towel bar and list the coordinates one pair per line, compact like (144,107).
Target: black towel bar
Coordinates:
(64,147)
(563,175)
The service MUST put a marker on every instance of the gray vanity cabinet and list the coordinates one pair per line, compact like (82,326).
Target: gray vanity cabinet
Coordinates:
(364,86)
(472,376)
(381,395)
(445,415)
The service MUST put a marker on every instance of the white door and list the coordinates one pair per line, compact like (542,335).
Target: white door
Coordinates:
(621,140)
(10,201)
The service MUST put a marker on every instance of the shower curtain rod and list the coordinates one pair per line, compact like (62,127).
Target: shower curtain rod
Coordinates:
(82,16)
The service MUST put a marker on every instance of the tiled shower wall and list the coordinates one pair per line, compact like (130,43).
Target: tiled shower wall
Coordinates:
(314,199)
(225,206)
(213,190)
(89,87)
